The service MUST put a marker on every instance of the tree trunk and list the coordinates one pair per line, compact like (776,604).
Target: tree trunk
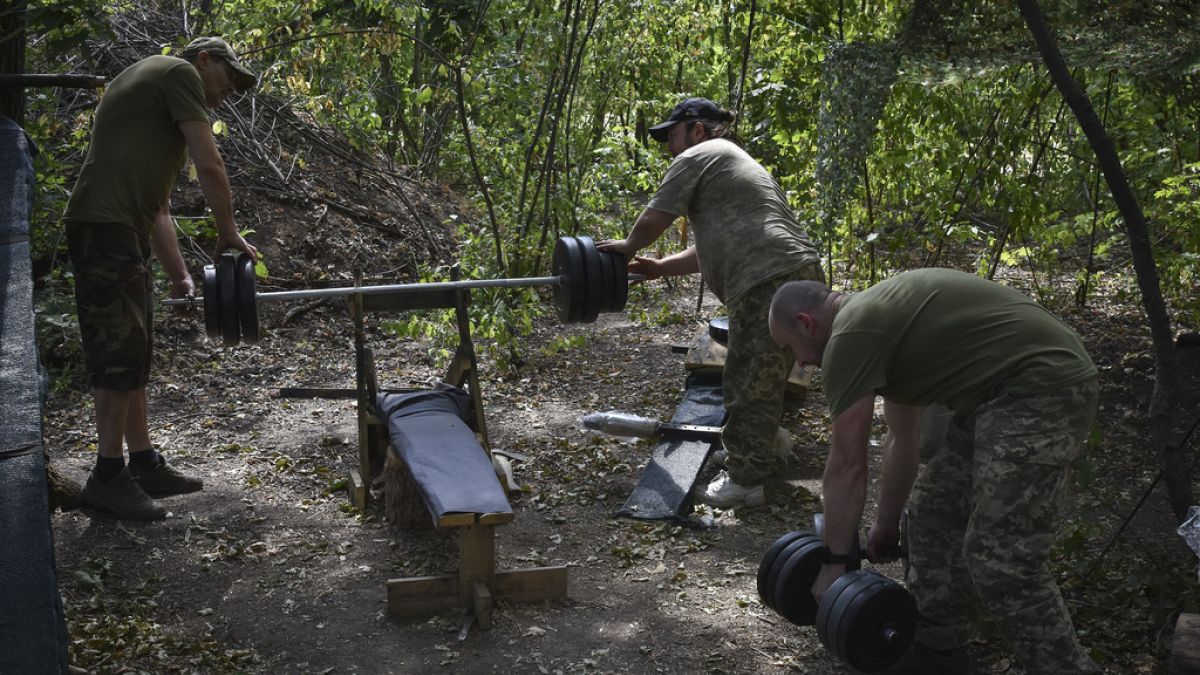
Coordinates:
(1176,472)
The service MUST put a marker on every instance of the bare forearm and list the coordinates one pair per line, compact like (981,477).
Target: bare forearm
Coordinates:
(165,244)
(900,461)
(684,262)
(215,184)
(844,483)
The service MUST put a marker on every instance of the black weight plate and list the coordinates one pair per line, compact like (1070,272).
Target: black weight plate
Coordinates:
(562,291)
(608,280)
(247,298)
(577,273)
(826,627)
(595,280)
(770,585)
(227,297)
(768,559)
(832,616)
(793,586)
(622,284)
(212,304)
(878,626)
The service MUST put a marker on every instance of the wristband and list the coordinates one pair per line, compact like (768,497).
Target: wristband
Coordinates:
(830,558)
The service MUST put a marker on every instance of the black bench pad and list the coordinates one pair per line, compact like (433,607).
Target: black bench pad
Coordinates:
(428,433)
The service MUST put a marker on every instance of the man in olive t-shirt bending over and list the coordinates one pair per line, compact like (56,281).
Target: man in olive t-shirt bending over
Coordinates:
(152,116)
(983,513)
(748,243)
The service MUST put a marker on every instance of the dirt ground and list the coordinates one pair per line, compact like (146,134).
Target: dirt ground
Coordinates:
(269,569)
(270,559)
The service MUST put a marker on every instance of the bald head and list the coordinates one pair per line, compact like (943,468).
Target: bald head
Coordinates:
(796,297)
(800,319)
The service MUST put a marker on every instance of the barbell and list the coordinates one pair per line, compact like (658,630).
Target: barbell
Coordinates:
(866,620)
(586,281)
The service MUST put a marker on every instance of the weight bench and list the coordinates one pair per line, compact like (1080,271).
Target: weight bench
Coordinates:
(438,473)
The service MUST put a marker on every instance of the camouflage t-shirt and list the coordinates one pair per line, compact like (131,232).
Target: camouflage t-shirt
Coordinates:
(137,149)
(745,230)
(942,336)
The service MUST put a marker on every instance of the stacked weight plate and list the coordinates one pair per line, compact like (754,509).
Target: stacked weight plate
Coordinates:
(592,281)
(866,620)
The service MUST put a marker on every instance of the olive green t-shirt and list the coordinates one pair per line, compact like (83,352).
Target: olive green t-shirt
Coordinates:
(942,336)
(137,149)
(745,230)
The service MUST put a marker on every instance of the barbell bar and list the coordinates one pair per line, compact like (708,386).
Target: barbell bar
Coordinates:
(587,282)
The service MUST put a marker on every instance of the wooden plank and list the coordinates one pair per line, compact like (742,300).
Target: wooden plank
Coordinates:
(422,595)
(1185,645)
(316,392)
(481,604)
(456,519)
(495,518)
(476,554)
(358,490)
(531,585)
(706,354)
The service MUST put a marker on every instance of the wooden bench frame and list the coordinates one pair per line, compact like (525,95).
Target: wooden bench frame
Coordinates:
(477,583)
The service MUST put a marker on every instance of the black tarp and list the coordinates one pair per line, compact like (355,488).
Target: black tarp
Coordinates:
(33,636)
(428,432)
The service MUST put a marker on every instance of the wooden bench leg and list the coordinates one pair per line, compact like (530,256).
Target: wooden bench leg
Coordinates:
(481,604)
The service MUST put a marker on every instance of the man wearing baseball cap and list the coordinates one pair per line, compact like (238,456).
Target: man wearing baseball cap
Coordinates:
(153,115)
(748,244)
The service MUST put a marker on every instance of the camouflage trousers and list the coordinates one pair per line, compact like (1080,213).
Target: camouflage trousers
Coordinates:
(982,519)
(114,297)
(756,371)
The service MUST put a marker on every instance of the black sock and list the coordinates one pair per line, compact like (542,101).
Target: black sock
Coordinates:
(146,459)
(107,468)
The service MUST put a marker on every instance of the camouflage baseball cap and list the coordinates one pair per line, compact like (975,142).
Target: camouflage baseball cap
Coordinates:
(215,46)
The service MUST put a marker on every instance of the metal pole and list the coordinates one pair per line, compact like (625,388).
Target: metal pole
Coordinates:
(393,289)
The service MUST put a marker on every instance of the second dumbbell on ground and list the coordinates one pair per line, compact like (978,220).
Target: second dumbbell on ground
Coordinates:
(866,620)
(586,281)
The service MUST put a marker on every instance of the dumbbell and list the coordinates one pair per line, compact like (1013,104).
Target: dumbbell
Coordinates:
(865,619)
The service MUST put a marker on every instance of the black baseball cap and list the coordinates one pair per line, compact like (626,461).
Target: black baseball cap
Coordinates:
(694,108)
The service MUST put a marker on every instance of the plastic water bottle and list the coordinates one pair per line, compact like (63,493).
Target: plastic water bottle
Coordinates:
(616,423)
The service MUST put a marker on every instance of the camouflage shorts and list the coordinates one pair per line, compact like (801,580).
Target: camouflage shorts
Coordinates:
(983,517)
(114,297)
(756,372)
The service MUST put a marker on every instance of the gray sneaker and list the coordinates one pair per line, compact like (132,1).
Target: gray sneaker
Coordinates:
(165,480)
(123,497)
(723,493)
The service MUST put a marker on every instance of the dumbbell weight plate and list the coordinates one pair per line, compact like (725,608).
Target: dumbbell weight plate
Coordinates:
(595,279)
(793,585)
(568,266)
(608,280)
(247,299)
(622,282)
(212,313)
(871,624)
(768,559)
(878,627)
(227,297)
(771,582)
(839,595)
